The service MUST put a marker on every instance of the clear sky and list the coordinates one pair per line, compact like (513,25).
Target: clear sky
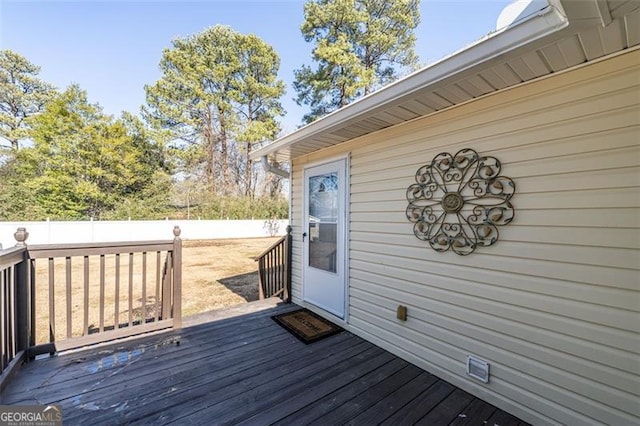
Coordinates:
(112,48)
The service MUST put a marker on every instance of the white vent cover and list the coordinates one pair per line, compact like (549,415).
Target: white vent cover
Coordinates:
(478,368)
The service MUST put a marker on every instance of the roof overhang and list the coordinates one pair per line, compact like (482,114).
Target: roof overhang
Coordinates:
(559,35)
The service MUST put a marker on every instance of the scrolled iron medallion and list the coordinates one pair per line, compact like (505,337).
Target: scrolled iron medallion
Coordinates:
(458,201)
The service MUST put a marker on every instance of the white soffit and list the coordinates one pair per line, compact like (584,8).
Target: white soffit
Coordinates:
(557,35)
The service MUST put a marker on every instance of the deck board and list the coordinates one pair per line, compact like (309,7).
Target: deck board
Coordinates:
(325,397)
(223,403)
(244,369)
(395,401)
(477,410)
(447,410)
(371,396)
(421,405)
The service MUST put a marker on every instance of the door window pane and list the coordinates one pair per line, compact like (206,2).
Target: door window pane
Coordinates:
(323,219)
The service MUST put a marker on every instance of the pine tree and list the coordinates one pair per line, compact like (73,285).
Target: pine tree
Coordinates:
(360,45)
(22,95)
(219,93)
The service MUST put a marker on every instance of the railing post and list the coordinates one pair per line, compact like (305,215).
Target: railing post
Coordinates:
(22,287)
(286,297)
(177,278)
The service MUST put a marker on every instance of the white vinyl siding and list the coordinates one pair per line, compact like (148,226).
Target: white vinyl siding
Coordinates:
(554,306)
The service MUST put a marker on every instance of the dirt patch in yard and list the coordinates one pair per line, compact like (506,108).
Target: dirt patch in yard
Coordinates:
(220,273)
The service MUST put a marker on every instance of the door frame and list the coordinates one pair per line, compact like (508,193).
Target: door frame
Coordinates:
(346,158)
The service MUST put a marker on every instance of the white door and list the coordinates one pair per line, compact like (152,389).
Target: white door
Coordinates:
(324,236)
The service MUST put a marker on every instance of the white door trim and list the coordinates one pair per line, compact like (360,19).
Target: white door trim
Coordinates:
(344,239)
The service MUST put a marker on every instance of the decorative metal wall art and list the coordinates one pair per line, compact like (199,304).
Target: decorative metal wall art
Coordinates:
(458,201)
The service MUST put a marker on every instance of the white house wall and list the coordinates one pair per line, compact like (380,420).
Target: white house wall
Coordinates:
(554,306)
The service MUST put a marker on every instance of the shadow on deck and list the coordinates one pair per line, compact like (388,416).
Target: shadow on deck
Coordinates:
(237,366)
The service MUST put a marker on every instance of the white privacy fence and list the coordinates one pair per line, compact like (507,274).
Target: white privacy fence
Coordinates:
(50,232)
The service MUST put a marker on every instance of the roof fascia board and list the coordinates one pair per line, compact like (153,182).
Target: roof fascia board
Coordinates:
(547,21)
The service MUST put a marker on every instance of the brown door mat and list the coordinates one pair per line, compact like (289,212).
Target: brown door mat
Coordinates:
(306,325)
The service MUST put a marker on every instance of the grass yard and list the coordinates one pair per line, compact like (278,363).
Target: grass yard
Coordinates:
(220,273)
(215,274)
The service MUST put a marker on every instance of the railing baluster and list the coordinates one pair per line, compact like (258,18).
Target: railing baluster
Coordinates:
(130,289)
(116,308)
(167,280)
(143,307)
(265,287)
(9,284)
(15,311)
(68,295)
(32,303)
(157,300)
(269,289)
(85,322)
(261,278)
(276,265)
(10,311)
(274,258)
(52,307)
(12,284)
(279,266)
(280,262)
(102,278)
(274,281)
(4,359)
(4,319)
(270,274)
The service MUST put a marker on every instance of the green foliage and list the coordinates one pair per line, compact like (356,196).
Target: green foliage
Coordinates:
(17,202)
(22,95)
(220,207)
(359,45)
(153,202)
(219,92)
(219,88)
(83,162)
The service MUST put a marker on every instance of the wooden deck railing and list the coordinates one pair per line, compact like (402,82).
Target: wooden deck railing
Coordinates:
(14,308)
(274,269)
(62,296)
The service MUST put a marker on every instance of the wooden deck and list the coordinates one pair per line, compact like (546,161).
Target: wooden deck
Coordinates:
(244,370)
